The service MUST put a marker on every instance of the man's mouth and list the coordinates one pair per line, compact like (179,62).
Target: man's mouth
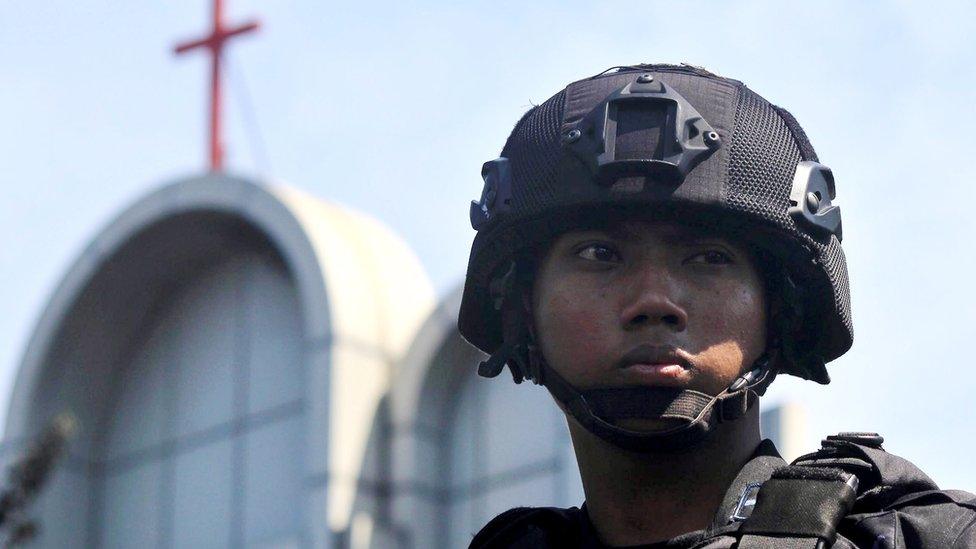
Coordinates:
(656,363)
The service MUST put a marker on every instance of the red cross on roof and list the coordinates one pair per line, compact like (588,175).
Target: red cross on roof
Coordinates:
(215,43)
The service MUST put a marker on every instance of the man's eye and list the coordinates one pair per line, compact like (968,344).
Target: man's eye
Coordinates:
(711,257)
(599,252)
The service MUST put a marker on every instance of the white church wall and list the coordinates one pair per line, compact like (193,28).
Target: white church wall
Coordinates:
(134,494)
(508,448)
(196,343)
(374,319)
(465,448)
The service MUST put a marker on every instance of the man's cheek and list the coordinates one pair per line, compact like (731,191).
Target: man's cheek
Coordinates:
(578,334)
(739,319)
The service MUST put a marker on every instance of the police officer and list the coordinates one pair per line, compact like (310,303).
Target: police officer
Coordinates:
(655,244)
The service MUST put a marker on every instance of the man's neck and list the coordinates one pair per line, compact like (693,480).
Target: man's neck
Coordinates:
(643,498)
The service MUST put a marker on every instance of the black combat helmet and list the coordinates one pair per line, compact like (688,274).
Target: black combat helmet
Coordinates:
(662,142)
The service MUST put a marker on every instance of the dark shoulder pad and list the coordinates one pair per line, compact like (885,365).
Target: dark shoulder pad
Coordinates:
(883,477)
(896,505)
(529,527)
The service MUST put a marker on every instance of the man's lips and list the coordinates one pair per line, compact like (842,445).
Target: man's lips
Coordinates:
(655,355)
(656,362)
(665,370)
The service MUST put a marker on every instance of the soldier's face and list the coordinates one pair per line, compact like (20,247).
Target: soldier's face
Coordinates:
(649,304)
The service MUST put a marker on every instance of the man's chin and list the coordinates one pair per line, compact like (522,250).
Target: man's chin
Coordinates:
(648,425)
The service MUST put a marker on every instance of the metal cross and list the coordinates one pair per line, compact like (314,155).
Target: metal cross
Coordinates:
(215,43)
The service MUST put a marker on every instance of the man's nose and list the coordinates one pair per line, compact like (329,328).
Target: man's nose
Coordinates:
(651,301)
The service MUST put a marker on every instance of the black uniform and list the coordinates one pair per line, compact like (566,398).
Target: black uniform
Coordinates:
(896,506)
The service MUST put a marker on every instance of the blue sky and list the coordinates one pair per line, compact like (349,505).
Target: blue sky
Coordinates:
(391,107)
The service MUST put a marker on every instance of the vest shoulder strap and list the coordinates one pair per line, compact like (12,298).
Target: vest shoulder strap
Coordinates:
(799,507)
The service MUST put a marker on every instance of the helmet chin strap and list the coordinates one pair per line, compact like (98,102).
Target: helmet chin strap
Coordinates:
(696,413)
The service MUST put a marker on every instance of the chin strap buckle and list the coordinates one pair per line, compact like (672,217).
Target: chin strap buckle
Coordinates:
(753,377)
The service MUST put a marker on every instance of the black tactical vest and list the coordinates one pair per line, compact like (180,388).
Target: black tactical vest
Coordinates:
(850,493)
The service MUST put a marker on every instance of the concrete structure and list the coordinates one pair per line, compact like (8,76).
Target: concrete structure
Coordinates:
(458,449)
(225,346)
